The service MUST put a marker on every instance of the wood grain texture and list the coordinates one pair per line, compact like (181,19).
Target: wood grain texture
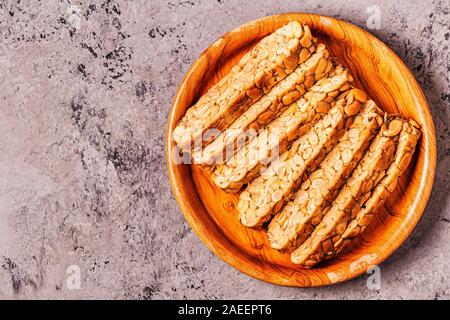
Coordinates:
(211,212)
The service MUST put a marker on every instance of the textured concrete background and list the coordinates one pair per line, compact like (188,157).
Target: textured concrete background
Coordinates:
(85,89)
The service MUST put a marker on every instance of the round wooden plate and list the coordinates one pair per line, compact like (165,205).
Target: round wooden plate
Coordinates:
(211,212)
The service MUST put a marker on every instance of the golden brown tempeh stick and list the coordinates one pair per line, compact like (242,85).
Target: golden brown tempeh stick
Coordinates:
(268,107)
(266,194)
(407,142)
(299,217)
(247,163)
(270,61)
(349,200)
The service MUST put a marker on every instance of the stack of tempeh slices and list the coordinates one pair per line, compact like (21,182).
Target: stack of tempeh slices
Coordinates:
(315,155)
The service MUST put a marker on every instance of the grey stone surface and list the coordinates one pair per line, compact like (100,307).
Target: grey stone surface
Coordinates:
(85,90)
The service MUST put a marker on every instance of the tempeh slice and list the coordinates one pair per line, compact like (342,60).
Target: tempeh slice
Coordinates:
(299,217)
(268,107)
(407,142)
(267,193)
(270,61)
(248,161)
(347,204)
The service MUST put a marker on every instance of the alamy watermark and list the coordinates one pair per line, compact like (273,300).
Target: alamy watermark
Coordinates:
(73,13)
(374,280)
(374,19)
(73,277)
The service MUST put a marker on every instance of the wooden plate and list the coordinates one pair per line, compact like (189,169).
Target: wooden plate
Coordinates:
(211,212)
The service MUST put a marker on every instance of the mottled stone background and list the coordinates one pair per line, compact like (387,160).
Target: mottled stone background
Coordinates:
(85,90)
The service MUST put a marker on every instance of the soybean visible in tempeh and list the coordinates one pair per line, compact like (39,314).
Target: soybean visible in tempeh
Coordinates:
(270,61)
(355,192)
(268,107)
(266,194)
(248,162)
(407,142)
(298,218)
